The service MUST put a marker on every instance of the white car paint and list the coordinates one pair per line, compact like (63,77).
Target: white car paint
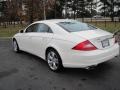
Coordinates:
(63,41)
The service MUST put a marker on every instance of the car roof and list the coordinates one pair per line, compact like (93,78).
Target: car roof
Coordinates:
(55,21)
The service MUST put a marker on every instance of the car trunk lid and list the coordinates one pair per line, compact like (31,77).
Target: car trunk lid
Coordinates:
(99,38)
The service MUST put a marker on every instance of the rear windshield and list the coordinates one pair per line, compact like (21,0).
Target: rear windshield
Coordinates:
(76,26)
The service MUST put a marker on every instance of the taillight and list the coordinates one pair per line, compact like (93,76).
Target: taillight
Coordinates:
(85,46)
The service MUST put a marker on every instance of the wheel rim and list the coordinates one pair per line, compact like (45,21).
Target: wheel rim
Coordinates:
(52,59)
(15,46)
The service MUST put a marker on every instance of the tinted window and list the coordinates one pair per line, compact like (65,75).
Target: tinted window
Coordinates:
(32,28)
(38,28)
(44,28)
(75,26)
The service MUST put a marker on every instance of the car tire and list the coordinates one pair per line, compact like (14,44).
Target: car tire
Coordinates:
(54,61)
(15,46)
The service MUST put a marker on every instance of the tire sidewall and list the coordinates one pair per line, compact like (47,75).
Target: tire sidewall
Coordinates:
(60,66)
(17,49)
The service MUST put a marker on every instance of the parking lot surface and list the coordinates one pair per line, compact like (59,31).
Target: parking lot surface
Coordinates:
(24,71)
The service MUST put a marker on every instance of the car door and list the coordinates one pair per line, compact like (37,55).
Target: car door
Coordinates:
(34,40)
(24,37)
(29,38)
(46,35)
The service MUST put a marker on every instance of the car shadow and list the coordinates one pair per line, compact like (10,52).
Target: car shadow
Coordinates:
(99,71)
(32,57)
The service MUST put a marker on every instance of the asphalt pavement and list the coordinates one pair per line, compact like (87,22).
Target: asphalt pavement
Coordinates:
(23,71)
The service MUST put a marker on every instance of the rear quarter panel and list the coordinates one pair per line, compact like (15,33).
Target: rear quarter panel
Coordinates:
(64,43)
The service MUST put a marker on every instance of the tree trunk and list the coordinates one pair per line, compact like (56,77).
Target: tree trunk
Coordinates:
(112,19)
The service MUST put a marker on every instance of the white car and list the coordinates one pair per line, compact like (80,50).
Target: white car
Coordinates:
(67,43)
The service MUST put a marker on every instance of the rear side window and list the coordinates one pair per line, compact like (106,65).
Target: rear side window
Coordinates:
(75,26)
(44,28)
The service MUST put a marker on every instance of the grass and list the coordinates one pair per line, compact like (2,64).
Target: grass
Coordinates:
(109,26)
(11,30)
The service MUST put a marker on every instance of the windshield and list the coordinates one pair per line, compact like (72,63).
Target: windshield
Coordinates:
(75,26)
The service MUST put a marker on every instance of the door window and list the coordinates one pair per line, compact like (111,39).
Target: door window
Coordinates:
(44,28)
(32,28)
(39,27)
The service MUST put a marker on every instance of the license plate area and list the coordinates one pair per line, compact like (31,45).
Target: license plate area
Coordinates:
(105,43)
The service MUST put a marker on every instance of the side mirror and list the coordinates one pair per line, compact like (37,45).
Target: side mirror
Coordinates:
(21,31)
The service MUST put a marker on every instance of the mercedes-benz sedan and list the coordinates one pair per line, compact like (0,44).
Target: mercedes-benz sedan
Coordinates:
(67,43)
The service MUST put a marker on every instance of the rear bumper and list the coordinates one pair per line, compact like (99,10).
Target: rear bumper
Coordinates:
(83,59)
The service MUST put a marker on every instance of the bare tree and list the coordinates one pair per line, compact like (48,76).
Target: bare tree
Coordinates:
(35,11)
